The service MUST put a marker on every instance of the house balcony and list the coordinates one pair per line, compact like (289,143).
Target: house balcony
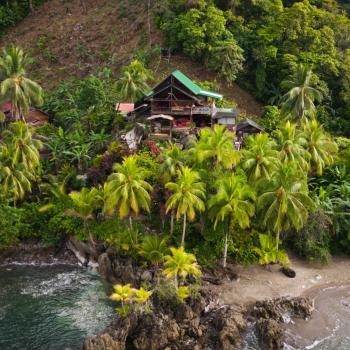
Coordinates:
(178,107)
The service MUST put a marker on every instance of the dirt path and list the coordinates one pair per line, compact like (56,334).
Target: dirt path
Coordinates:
(255,283)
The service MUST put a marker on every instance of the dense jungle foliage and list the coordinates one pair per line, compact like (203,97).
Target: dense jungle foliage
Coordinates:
(261,42)
(13,11)
(287,188)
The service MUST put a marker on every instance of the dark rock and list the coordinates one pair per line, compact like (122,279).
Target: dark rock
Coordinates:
(288,272)
(146,276)
(270,314)
(277,308)
(84,251)
(270,334)
(105,268)
(37,253)
(229,323)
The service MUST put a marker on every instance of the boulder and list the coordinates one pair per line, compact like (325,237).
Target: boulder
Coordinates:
(270,334)
(105,268)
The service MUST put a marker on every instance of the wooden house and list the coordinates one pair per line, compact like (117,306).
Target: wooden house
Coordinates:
(248,127)
(225,116)
(178,97)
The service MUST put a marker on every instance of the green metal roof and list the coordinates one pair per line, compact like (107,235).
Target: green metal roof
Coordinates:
(193,86)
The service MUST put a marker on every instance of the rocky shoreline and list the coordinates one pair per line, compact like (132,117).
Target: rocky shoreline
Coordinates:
(34,252)
(201,323)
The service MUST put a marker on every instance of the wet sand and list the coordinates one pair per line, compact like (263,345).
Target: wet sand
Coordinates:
(256,283)
(328,285)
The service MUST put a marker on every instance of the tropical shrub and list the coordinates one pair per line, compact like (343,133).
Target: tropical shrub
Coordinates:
(130,299)
(313,241)
(269,253)
(154,248)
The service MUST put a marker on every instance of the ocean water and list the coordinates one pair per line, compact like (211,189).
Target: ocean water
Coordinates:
(327,329)
(50,307)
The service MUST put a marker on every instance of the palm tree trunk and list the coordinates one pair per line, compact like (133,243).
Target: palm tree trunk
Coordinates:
(224,261)
(91,238)
(183,231)
(277,240)
(172,222)
(130,222)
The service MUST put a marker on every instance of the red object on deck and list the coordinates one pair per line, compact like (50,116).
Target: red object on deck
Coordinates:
(124,107)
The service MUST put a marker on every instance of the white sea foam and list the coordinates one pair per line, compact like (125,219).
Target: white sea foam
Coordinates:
(60,282)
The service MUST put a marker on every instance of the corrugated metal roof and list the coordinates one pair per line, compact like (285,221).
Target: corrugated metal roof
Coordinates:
(249,122)
(124,107)
(225,112)
(192,86)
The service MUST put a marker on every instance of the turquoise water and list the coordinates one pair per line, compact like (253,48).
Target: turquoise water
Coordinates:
(50,307)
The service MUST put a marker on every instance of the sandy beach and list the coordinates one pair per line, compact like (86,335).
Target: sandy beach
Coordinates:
(256,283)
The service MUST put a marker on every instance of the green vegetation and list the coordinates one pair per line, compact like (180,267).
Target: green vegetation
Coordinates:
(286,188)
(12,12)
(270,46)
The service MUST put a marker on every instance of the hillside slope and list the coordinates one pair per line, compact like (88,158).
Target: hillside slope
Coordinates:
(67,41)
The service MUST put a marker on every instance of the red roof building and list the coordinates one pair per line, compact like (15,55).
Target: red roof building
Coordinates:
(35,117)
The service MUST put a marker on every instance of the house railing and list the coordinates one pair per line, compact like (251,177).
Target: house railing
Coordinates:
(178,107)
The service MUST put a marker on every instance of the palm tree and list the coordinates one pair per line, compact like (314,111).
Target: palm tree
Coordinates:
(319,145)
(15,179)
(290,145)
(298,102)
(216,145)
(180,264)
(19,160)
(133,81)
(25,149)
(171,158)
(233,203)
(259,157)
(129,191)
(153,248)
(84,204)
(187,196)
(16,87)
(284,201)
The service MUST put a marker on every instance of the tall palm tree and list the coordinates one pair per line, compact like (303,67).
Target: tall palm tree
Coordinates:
(319,145)
(133,81)
(298,102)
(25,148)
(233,203)
(16,87)
(171,158)
(180,264)
(188,193)
(129,191)
(259,157)
(290,144)
(284,201)
(84,204)
(216,145)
